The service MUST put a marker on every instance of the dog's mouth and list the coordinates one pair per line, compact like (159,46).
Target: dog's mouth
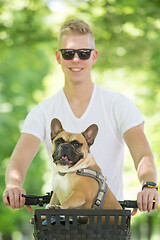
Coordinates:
(65,160)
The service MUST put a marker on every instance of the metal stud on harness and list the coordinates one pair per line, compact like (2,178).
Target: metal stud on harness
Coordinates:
(102,191)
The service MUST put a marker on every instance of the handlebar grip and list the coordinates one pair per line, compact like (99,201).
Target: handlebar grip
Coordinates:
(131,204)
(128,204)
(30,201)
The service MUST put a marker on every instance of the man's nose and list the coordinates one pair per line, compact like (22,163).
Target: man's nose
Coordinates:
(76,58)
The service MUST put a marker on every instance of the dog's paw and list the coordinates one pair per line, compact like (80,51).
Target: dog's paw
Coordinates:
(82,219)
(58,207)
(53,206)
(31,221)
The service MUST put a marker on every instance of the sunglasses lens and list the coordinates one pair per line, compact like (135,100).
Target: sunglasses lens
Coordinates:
(84,54)
(67,54)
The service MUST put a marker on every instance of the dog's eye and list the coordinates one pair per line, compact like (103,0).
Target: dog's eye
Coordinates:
(59,141)
(76,144)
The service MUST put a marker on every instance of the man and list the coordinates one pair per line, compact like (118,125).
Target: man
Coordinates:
(79,104)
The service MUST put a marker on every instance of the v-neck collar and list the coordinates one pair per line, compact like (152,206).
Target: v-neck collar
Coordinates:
(88,107)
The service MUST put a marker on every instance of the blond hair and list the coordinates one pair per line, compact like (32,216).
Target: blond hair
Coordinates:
(75,26)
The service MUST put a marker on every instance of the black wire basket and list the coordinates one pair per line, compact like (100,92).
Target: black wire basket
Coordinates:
(82,224)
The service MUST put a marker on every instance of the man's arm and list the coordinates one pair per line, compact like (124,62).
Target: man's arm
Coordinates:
(18,165)
(144,164)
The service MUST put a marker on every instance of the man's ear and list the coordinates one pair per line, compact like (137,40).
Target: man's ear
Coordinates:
(58,56)
(90,134)
(94,57)
(56,128)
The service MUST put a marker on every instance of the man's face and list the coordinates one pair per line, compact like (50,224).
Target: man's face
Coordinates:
(77,70)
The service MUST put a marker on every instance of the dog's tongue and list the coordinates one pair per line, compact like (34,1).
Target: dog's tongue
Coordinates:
(66,159)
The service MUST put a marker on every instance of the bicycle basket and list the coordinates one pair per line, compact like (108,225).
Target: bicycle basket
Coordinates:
(82,224)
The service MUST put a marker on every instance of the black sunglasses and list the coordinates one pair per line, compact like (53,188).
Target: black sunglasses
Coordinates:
(83,54)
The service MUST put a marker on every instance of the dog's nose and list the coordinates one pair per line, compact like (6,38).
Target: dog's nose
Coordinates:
(65,146)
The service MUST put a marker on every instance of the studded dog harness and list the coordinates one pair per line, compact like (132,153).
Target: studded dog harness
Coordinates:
(103,187)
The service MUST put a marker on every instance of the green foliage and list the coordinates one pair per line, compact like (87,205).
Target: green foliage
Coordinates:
(24,63)
(127,37)
(146,225)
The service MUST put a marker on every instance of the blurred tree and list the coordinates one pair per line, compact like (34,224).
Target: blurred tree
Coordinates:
(24,44)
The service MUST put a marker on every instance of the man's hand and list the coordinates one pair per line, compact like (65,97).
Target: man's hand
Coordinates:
(145,200)
(12,196)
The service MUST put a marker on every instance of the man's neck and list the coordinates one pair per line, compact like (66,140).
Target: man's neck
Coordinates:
(82,91)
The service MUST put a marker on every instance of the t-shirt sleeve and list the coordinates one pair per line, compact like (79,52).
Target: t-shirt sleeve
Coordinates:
(127,114)
(35,123)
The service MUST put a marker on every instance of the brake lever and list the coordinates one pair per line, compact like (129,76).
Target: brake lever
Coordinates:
(37,200)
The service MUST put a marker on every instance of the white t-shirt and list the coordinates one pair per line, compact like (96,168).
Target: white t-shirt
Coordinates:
(114,114)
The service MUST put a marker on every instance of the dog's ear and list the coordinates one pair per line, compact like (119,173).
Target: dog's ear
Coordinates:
(56,128)
(90,134)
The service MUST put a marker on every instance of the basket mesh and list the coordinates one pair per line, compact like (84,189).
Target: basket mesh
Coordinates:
(66,224)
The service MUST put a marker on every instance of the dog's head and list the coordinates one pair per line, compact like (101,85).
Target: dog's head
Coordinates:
(69,150)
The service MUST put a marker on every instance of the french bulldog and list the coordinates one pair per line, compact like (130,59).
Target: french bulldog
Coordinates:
(71,153)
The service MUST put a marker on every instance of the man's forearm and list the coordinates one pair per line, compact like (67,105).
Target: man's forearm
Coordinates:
(18,165)
(146,170)
(14,177)
(16,170)
(21,159)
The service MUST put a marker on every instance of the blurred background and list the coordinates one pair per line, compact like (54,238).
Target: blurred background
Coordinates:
(127,34)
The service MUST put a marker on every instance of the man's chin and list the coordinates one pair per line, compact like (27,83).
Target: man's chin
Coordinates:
(75,79)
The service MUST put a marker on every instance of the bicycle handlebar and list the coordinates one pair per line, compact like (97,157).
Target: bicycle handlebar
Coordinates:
(45,199)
